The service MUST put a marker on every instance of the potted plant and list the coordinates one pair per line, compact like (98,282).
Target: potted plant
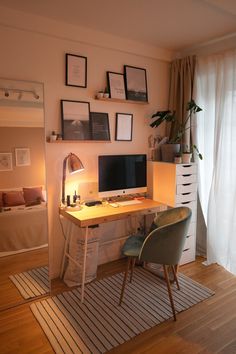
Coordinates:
(175,143)
(106,93)
(53,136)
(100,94)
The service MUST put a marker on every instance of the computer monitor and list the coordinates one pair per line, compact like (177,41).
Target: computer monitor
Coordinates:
(122,174)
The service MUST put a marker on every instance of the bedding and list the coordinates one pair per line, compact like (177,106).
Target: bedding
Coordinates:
(13,198)
(23,227)
(33,195)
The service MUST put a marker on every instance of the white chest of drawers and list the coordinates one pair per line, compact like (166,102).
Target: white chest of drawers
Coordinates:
(176,185)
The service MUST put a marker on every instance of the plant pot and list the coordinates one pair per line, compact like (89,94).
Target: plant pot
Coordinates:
(168,152)
(53,137)
(186,157)
(100,95)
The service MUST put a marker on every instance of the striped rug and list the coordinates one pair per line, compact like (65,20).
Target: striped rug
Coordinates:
(34,282)
(99,324)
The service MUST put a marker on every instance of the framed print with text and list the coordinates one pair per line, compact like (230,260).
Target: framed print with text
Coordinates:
(124,126)
(76,70)
(99,126)
(116,85)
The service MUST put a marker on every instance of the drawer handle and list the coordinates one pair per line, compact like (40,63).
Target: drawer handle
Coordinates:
(186,249)
(188,236)
(187,184)
(186,175)
(186,193)
(185,203)
(186,166)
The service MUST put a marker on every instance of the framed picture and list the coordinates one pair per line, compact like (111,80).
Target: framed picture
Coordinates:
(124,126)
(5,161)
(75,120)
(100,129)
(76,70)
(22,156)
(136,83)
(116,85)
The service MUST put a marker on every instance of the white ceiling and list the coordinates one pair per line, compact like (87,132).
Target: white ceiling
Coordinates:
(170,24)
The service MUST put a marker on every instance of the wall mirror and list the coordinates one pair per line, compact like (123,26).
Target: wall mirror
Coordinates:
(23,197)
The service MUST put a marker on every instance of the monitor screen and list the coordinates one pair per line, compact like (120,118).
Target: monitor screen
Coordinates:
(122,174)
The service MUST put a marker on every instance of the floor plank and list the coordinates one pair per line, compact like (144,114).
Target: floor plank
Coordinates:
(206,328)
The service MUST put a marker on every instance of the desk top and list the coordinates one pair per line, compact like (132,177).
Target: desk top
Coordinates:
(100,214)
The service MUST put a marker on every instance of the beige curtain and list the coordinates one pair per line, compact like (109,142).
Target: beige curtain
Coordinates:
(181,90)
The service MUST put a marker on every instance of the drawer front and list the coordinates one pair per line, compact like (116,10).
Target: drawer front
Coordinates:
(183,179)
(153,210)
(192,205)
(188,256)
(186,169)
(186,188)
(190,242)
(188,197)
(192,229)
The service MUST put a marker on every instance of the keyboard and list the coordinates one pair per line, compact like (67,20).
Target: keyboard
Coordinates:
(129,202)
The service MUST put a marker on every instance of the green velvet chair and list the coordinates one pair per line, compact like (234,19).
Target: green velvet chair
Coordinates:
(163,245)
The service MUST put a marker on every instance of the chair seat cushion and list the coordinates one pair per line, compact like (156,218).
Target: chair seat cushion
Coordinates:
(132,246)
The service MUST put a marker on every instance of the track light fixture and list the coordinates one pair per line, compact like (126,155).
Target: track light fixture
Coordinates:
(20,92)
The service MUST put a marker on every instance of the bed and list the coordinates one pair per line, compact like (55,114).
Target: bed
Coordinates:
(23,228)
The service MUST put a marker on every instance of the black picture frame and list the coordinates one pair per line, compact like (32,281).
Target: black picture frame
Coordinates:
(76,70)
(124,127)
(116,85)
(100,129)
(75,118)
(136,83)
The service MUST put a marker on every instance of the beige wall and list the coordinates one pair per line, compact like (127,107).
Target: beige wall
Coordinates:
(28,53)
(23,176)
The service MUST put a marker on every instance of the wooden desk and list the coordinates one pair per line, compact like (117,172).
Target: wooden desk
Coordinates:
(89,216)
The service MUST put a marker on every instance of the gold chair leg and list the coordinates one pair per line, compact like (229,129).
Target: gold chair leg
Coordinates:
(125,279)
(169,290)
(132,268)
(175,276)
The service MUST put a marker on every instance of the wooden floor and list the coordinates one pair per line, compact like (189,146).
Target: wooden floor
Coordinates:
(9,294)
(209,327)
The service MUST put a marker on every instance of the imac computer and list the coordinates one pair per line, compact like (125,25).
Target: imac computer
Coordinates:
(121,174)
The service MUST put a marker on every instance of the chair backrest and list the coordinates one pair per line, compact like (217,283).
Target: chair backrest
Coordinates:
(164,245)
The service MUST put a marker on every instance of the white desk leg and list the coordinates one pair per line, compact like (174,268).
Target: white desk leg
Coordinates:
(67,241)
(84,263)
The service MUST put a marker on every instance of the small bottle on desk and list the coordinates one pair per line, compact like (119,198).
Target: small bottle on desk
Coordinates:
(68,200)
(78,200)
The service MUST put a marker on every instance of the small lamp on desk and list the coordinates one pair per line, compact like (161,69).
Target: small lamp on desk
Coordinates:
(74,165)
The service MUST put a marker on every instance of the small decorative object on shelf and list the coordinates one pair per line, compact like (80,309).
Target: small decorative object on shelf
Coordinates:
(53,136)
(178,158)
(106,93)
(100,94)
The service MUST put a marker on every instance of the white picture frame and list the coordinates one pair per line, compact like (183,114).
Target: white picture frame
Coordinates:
(6,161)
(22,156)
(124,126)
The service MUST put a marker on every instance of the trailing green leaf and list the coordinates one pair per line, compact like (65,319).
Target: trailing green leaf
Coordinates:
(169,116)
